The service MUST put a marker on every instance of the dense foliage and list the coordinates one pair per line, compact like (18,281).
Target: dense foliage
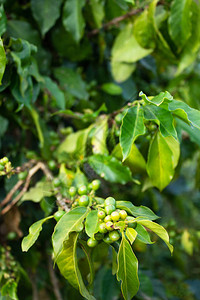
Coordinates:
(93,169)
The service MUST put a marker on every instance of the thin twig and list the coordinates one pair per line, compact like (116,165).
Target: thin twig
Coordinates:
(54,280)
(115,21)
(11,193)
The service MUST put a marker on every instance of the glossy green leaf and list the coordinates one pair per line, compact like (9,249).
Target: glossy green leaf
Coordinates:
(55,92)
(127,271)
(38,192)
(72,82)
(132,127)
(92,223)
(9,289)
(122,70)
(190,50)
(131,234)
(68,266)
(137,211)
(98,13)
(143,29)
(162,97)
(34,232)
(180,22)
(112,88)
(159,230)
(3,20)
(160,162)
(45,12)
(99,136)
(126,48)
(72,221)
(143,235)
(135,161)
(36,119)
(161,117)
(73,20)
(175,148)
(110,168)
(2,60)
(192,131)
(185,112)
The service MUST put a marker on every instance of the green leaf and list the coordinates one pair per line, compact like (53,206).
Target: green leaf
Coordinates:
(97,9)
(135,161)
(143,29)
(72,221)
(122,70)
(132,127)
(45,12)
(36,119)
(185,112)
(92,223)
(34,232)
(38,192)
(9,290)
(112,88)
(126,48)
(190,50)
(159,230)
(55,91)
(192,131)
(3,21)
(127,270)
(99,136)
(180,22)
(161,117)
(71,82)
(75,143)
(131,234)
(73,20)
(110,168)
(143,235)
(68,266)
(160,162)
(163,97)
(137,211)
(2,60)
(175,148)
(4,125)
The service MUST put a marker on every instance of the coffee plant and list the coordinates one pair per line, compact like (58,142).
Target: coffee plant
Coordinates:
(99,141)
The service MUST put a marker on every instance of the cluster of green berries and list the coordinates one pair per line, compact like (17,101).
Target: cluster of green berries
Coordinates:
(3,163)
(109,218)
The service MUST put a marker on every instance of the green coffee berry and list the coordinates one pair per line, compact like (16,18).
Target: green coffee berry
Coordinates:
(95,184)
(58,215)
(107,218)
(83,200)
(56,182)
(109,209)
(101,214)
(1,167)
(115,216)
(107,239)
(123,214)
(92,242)
(109,226)
(82,190)
(102,228)
(110,200)
(114,235)
(22,175)
(4,160)
(52,164)
(72,191)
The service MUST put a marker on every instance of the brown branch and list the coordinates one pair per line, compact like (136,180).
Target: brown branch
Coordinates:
(54,280)
(115,21)
(11,193)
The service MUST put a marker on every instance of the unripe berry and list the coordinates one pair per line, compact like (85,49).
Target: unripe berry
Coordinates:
(72,191)
(22,175)
(107,239)
(102,228)
(92,242)
(4,160)
(83,200)
(110,200)
(95,184)
(107,218)
(114,235)
(1,167)
(82,190)
(99,236)
(115,216)
(56,182)
(109,226)
(109,209)
(101,214)
(123,214)
(52,164)
(58,215)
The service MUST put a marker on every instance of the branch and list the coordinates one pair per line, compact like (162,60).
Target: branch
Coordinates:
(115,21)
(54,280)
